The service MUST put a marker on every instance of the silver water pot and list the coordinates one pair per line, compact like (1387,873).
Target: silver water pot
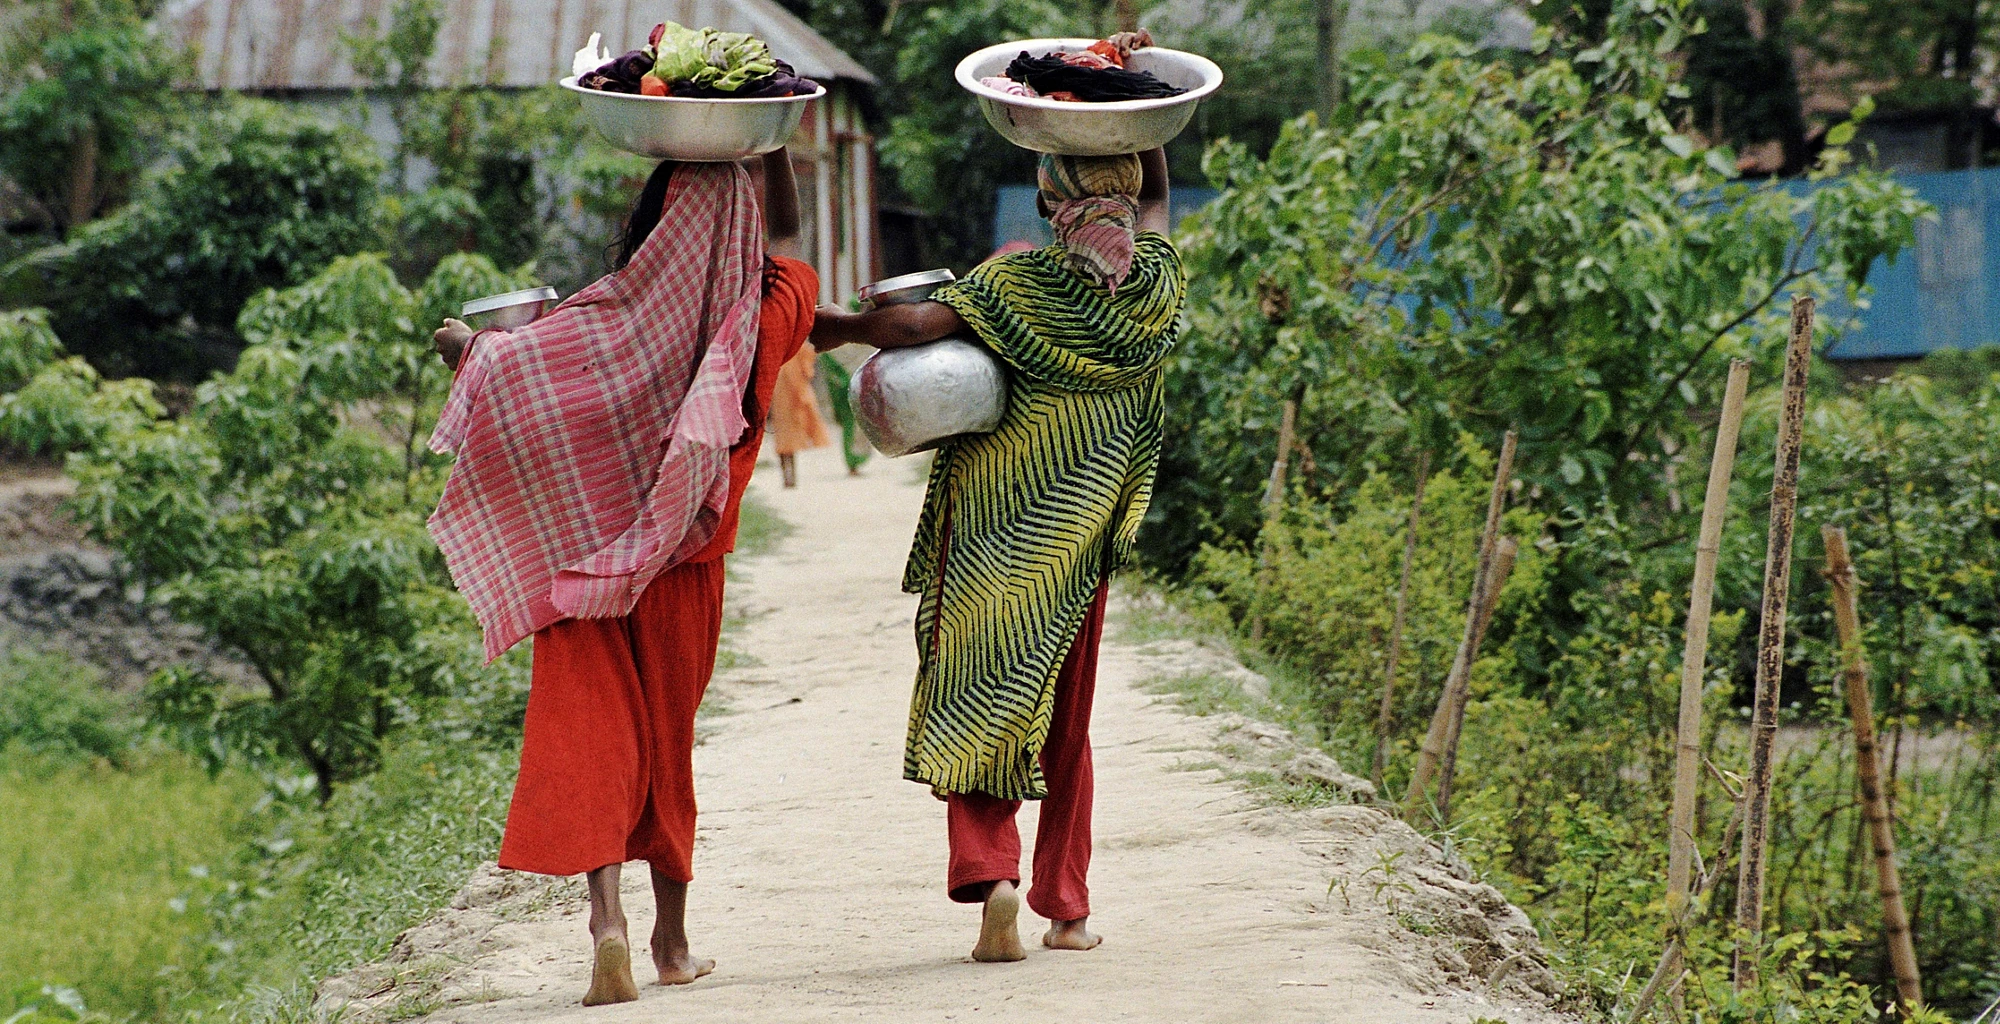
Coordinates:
(918,398)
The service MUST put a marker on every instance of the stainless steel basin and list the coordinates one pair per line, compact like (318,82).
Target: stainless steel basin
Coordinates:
(1089,129)
(918,398)
(690,129)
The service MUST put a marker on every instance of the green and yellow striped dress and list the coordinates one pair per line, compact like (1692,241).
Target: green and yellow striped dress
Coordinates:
(1020,525)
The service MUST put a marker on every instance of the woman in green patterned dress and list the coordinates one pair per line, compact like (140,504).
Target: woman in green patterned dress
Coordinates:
(1021,527)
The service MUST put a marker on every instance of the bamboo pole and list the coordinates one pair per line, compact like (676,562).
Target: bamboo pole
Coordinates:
(1868,769)
(1771,649)
(1384,717)
(1671,958)
(1503,564)
(1274,508)
(1432,752)
(1694,664)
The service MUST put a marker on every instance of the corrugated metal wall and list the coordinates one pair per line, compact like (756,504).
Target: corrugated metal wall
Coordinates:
(1938,295)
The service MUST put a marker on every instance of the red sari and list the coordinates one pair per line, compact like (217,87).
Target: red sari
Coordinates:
(607,755)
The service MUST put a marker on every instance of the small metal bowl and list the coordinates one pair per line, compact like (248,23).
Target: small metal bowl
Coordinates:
(694,130)
(508,310)
(907,288)
(1089,129)
(918,398)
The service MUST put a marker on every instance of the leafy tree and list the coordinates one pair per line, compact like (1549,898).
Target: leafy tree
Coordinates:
(285,515)
(253,196)
(1743,87)
(1929,55)
(467,171)
(945,157)
(1475,247)
(87,96)
(55,403)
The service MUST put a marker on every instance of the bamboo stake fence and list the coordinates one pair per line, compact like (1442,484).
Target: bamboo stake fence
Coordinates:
(1503,565)
(1431,754)
(1694,664)
(1274,507)
(1771,649)
(1868,769)
(1388,709)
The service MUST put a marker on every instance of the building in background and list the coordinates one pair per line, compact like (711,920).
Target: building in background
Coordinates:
(292,50)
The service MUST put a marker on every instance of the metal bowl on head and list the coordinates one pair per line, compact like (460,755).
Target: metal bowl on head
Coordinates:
(924,396)
(694,130)
(1089,129)
(508,310)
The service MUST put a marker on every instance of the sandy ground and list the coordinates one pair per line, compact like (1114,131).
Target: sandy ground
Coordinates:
(820,887)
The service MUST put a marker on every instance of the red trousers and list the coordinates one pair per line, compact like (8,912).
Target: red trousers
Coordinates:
(986,844)
(607,754)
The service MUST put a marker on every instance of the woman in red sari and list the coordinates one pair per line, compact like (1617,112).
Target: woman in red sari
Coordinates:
(603,453)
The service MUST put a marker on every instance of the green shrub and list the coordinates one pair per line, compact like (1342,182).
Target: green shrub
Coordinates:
(284,514)
(253,196)
(1326,592)
(27,343)
(53,707)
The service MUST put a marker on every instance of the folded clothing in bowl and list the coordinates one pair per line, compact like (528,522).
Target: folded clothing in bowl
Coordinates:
(1086,77)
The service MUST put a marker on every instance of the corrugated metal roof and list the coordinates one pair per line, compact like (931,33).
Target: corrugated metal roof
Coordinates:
(258,45)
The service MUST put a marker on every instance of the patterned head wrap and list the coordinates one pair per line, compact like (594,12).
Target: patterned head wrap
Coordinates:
(1093,206)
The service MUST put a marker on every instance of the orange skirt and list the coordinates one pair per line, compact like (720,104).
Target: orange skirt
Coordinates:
(795,422)
(607,753)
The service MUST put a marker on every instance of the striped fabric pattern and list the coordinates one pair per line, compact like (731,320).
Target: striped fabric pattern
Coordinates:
(1094,210)
(1020,525)
(593,444)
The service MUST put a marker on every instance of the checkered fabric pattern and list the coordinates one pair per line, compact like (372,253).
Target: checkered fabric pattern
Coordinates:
(593,444)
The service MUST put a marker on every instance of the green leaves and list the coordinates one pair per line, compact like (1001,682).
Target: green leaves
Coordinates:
(284,515)
(1489,245)
(253,196)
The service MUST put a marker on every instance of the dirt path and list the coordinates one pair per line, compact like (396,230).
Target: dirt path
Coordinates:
(820,872)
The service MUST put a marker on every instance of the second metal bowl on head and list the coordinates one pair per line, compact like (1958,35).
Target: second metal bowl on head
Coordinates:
(508,310)
(1089,129)
(918,398)
(695,130)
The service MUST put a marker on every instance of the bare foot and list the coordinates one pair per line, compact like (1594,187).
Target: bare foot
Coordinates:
(1071,935)
(611,973)
(683,969)
(999,937)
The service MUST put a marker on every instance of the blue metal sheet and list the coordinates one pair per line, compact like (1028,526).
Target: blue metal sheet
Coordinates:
(1015,219)
(1936,295)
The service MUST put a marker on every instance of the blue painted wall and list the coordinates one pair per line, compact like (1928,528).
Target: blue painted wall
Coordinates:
(1936,295)
(1015,219)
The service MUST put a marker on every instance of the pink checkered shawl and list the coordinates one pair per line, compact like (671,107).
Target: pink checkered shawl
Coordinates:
(593,444)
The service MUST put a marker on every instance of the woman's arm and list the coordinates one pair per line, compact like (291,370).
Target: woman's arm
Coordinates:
(781,205)
(1153,192)
(451,341)
(898,326)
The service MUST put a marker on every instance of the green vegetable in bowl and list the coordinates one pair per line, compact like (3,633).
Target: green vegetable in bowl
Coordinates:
(732,59)
(680,54)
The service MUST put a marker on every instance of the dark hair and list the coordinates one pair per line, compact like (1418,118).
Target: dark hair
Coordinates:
(645,213)
(646,216)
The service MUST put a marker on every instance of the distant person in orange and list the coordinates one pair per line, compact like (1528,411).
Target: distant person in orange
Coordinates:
(603,452)
(795,422)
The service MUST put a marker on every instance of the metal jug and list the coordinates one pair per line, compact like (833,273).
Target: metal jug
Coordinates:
(918,398)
